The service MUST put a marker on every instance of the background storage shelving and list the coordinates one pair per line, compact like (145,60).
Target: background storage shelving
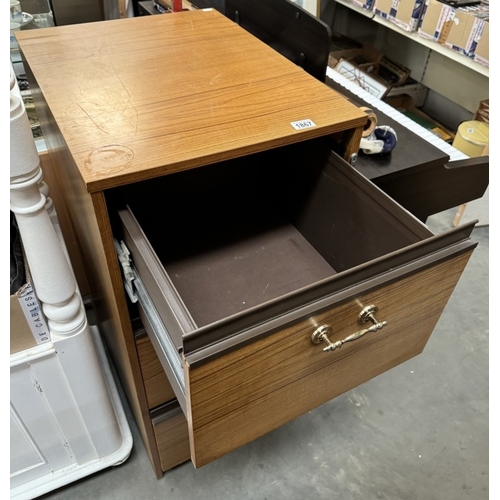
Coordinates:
(436,67)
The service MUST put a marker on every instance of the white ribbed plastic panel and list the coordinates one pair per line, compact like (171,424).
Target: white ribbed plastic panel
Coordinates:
(66,417)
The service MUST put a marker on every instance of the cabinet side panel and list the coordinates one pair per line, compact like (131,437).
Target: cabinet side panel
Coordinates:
(85,226)
(239,397)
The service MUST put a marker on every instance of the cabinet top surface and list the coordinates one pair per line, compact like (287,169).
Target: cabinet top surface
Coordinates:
(141,97)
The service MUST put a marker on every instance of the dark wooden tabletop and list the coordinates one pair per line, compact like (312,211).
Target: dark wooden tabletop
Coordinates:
(417,174)
(411,151)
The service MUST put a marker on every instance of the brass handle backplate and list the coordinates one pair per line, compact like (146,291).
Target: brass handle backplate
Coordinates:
(367,314)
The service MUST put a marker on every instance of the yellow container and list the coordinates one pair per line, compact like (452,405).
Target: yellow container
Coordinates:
(472,137)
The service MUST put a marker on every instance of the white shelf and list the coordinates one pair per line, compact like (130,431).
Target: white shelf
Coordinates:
(436,47)
(359,10)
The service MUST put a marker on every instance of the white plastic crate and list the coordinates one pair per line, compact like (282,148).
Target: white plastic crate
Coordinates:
(67,419)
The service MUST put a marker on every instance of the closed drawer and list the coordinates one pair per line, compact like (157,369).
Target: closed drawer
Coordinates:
(286,248)
(171,433)
(156,384)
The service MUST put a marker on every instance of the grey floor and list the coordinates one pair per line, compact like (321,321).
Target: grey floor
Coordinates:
(418,432)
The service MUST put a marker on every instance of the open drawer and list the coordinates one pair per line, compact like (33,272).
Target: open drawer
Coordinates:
(273,283)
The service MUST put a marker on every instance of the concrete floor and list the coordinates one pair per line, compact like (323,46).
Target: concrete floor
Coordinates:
(417,432)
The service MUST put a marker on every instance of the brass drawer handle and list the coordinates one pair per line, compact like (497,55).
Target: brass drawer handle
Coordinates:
(367,314)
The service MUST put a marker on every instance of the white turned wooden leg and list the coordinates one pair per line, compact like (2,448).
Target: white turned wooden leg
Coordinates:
(51,273)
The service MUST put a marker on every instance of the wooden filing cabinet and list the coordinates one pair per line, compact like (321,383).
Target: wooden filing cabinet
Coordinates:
(205,202)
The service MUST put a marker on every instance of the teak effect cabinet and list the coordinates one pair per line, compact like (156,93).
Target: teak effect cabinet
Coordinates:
(240,295)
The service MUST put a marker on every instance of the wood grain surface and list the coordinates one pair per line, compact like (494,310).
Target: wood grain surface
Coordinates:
(156,384)
(249,392)
(141,97)
(171,432)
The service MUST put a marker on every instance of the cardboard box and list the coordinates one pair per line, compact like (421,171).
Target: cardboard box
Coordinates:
(365,57)
(465,28)
(483,111)
(407,14)
(383,8)
(363,4)
(434,16)
(28,327)
(403,13)
(392,72)
(368,67)
(367,81)
(482,52)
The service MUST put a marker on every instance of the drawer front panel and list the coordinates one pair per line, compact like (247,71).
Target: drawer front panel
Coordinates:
(246,393)
(158,388)
(172,438)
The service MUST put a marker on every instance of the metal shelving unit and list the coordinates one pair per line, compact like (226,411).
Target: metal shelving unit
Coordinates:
(415,37)
(456,83)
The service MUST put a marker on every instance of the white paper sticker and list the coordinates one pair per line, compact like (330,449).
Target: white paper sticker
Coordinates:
(302,124)
(33,312)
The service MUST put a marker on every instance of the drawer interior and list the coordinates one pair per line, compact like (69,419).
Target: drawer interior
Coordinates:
(236,252)
(235,235)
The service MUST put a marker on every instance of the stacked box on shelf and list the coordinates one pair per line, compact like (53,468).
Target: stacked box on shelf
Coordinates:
(407,14)
(465,28)
(363,4)
(403,13)
(382,8)
(482,52)
(435,15)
